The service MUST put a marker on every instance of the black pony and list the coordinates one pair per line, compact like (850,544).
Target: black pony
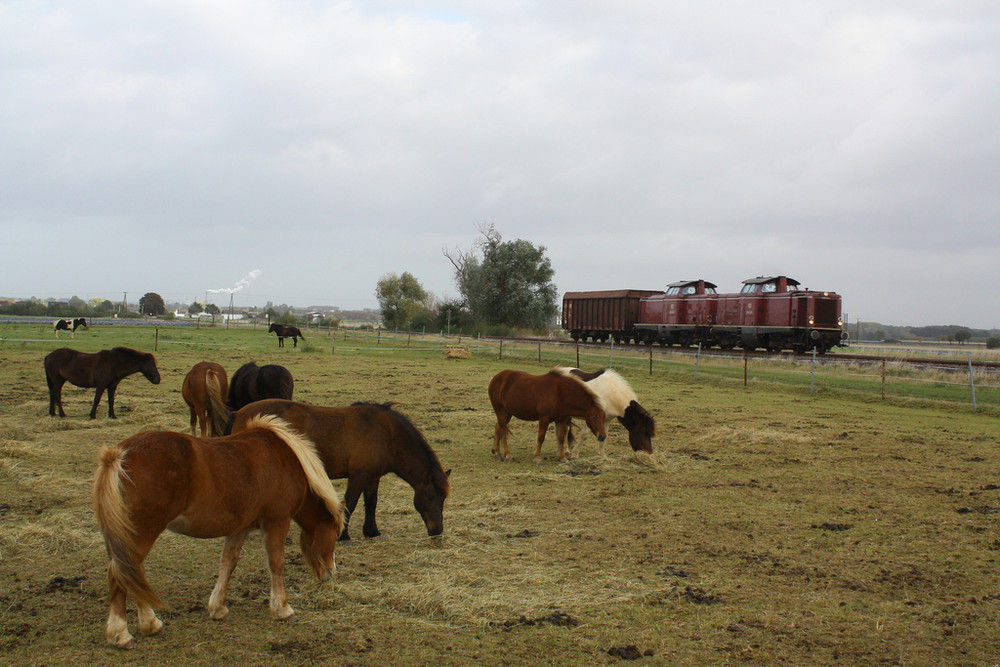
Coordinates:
(104,370)
(252,383)
(286,332)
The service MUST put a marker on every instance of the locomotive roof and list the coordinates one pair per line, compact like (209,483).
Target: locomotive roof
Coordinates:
(767,279)
(611,293)
(682,283)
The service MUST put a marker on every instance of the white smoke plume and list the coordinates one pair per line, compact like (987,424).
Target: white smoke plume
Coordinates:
(244,282)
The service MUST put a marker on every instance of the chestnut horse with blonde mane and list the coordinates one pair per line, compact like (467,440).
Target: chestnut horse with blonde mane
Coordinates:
(555,397)
(363,442)
(264,478)
(204,390)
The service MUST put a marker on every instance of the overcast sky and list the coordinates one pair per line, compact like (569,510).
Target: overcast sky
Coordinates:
(295,152)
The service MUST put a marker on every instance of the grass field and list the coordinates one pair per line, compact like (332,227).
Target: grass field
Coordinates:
(770,526)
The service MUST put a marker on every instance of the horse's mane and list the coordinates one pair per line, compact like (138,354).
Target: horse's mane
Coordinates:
(612,393)
(305,452)
(438,475)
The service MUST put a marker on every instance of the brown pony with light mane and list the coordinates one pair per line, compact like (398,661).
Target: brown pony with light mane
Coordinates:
(363,442)
(204,390)
(555,397)
(265,477)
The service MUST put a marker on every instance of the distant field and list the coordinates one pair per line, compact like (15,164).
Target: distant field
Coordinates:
(770,525)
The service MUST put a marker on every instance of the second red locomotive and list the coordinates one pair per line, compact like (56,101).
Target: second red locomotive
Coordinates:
(768,312)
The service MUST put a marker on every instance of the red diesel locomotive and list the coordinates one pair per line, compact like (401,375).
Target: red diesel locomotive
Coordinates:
(768,312)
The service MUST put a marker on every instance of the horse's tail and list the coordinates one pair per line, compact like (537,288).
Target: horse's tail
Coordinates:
(305,452)
(218,402)
(118,530)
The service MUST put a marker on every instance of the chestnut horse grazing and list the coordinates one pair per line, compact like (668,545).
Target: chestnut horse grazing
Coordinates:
(619,402)
(252,383)
(104,370)
(362,442)
(265,477)
(204,390)
(557,397)
(286,332)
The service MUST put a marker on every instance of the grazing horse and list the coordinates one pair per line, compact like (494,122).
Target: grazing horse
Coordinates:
(104,370)
(557,397)
(252,383)
(619,402)
(64,325)
(363,442)
(204,390)
(263,478)
(286,332)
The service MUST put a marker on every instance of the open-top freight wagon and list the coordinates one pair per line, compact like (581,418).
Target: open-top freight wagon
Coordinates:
(768,312)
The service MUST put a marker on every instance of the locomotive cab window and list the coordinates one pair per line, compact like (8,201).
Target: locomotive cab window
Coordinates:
(673,291)
(750,288)
(769,287)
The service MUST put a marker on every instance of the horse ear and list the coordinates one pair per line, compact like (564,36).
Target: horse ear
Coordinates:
(448,473)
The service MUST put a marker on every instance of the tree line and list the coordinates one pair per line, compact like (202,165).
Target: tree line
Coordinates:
(501,284)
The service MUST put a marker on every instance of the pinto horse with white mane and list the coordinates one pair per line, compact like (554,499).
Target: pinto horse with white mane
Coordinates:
(620,402)
(559,396)
(264,477)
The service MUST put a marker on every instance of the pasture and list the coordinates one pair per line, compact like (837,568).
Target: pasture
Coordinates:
(768,527)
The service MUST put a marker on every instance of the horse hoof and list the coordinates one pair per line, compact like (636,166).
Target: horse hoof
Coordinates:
(538,461)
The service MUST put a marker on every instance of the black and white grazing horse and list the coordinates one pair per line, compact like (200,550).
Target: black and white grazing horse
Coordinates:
(64,325)
(618,400)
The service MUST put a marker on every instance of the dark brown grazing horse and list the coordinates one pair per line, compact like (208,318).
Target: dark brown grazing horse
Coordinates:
(263,478)
(286,332)
(104,370)
(620,402)
(252,383)
(556,397)
(204,390)
(363,442)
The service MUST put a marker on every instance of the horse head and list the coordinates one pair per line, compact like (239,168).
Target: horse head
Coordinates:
(640,426)
(318,544)
(595,419)
(150,370)
(428,500)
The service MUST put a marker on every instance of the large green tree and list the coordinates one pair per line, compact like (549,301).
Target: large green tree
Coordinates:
(506,282)
(400,298)
(151,303)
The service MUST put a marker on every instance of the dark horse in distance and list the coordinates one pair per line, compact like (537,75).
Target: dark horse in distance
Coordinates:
(286,332)
(103,370)
(363,442)
(252,383)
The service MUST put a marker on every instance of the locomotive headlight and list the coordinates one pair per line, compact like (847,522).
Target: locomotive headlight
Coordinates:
(812,320)
(840,322)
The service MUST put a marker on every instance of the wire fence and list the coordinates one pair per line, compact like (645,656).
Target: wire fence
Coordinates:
(975,386)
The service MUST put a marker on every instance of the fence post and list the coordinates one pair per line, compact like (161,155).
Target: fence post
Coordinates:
(578,354)
(883,379)
(501,349)
(697,360)
(611,356)
(651,357)
(812,377)
(746,359)
(972,384)
(539,351)
(156,343)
